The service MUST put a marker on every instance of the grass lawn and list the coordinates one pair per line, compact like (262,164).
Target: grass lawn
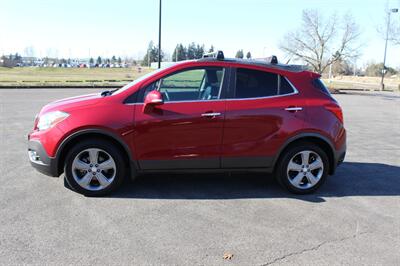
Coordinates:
(46,77)
(37,76)
(362,83)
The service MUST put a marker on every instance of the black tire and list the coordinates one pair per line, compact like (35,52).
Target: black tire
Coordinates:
(282,166)
(112,151)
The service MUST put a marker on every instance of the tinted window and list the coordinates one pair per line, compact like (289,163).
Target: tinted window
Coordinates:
(189,85)
(285,87)
(321,86)
(253,83)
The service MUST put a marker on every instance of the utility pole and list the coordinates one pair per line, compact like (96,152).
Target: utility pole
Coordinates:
(159,38)
(393,10)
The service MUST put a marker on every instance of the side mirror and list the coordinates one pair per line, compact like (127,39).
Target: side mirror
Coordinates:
(152,99)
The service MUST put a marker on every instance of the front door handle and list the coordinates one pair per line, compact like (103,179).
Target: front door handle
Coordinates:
(210,114)
(293,109)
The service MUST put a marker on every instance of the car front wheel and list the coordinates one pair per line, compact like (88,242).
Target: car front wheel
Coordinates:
(94,168)
(303,168)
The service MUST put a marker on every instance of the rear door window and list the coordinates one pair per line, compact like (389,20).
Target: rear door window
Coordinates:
(253,83)
(256,84)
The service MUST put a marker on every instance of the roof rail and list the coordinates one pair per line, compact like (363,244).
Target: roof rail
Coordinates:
(272,59)
(218,55)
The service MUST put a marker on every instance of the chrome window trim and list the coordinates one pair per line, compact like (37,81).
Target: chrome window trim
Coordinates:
(191,101)
(295,91)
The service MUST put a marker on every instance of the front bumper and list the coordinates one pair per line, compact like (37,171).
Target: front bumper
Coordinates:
(40,160)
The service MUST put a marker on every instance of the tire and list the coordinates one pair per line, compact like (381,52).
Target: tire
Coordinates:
(94,167)
(298,175)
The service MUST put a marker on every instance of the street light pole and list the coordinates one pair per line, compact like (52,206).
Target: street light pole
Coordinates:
(393,10)
(159,38)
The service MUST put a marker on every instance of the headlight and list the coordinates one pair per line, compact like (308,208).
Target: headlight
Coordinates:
(49,120)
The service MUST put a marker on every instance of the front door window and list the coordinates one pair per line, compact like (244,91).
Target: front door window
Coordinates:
(190,85)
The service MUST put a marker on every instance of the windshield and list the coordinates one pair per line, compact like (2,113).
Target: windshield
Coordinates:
(136,81)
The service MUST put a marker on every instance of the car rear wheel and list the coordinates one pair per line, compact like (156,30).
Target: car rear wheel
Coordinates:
(94,168)
(303,168)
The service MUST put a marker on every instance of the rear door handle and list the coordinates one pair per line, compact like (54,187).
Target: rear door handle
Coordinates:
(210,114)
(293,109)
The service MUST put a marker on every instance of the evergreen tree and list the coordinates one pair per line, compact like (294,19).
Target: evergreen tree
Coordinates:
(248,55)
(113,59)
(16,58)
(91,60)
(239,54)
(179,53)
(191,51)
(119,60)
(199,51)
(211,49)
(151,55)
(183,52)
(175,54)
(98,61)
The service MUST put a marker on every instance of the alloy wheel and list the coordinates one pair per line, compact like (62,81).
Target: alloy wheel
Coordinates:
(93,169)
(305,169)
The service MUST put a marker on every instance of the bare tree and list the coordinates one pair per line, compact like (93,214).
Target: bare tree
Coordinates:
(394,30)
(394,35)
(321,42)
(390,24)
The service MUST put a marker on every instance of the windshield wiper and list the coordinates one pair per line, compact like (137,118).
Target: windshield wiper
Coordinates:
(105,93)
(108,92)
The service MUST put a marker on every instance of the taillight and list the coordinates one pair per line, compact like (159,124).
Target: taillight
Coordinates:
(336,110)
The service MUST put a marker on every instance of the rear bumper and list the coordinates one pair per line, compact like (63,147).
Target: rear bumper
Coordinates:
(339,158)
(40,160)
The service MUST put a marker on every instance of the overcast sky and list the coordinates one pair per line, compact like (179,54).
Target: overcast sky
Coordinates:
(75,28)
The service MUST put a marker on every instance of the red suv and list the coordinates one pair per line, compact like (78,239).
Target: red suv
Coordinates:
(211,114)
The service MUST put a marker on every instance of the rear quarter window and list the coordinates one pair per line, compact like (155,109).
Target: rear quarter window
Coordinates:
(319,85)
(285,87)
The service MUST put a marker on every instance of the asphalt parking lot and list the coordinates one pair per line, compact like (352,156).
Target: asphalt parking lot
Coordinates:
(353,219)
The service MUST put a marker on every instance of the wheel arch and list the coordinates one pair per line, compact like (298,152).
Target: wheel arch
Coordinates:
(323,142)
(80,135)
